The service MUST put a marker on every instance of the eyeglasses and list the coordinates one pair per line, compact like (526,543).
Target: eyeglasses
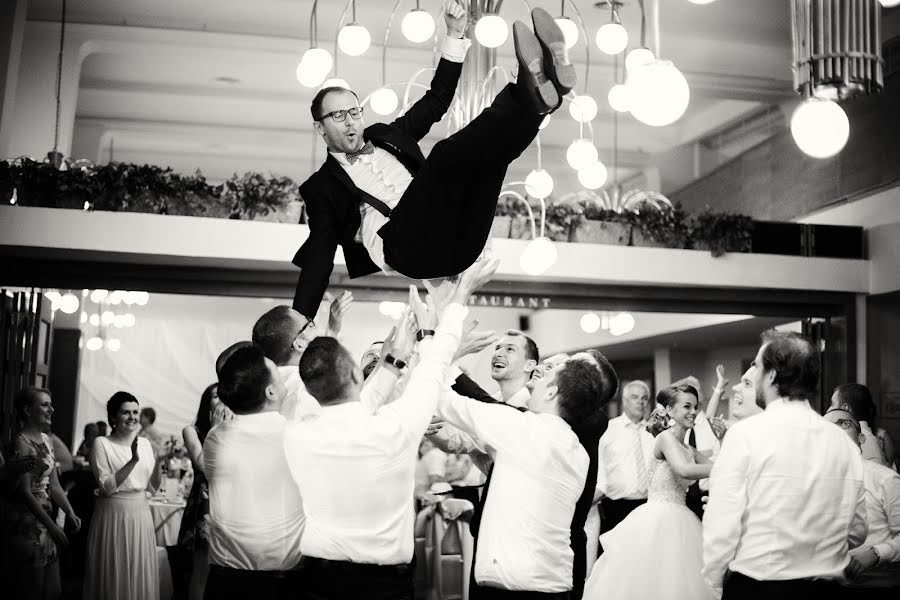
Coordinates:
(309,323)
(338,116)
(844,423)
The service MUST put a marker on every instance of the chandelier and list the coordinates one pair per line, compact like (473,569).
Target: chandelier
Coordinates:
(836,55)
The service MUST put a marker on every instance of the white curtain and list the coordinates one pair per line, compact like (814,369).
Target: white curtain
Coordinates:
(165,363)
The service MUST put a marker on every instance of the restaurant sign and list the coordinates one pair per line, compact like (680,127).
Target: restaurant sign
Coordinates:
(499,301)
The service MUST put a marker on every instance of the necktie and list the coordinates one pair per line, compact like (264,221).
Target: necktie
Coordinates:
(367,148)
(640,461)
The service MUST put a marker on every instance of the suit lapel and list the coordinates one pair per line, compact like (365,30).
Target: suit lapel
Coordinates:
(338,171)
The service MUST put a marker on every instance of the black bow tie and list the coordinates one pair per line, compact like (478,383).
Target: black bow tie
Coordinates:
(367,148)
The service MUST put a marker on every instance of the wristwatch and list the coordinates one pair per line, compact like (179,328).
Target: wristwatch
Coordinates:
(424,333)
(395,362)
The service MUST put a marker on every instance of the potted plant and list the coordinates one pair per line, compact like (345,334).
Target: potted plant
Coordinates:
(659,228)
(563,220)
(600,225)
(510,218)
(720,232)
(263,198)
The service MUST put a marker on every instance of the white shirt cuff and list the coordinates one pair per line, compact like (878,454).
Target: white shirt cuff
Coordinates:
(454,49)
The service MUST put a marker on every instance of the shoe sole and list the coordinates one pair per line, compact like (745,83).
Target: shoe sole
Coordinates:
(553,45)
(531,65)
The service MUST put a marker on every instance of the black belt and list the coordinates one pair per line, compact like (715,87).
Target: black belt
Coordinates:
(252,573)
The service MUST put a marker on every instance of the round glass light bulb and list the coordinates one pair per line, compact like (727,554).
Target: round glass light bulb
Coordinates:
(590,322)
(354,39)
(99,295)
(314,67)
(417,26)
(128,319)
(539,183)
(129,298)
(113,344)
(545,121)
(53,296)
(709,1)
(583,108)
(621,324)
(889,3)
(83,319)
(580,154)
(619,97)
(384,101)
(119,321)
(108,317)
(659,93)
(593,176)
(336,82)
(638,57)
(143,298)
(95,343)
(611,38)
(94,320)
(116,297)
(820,127)
(68,303)
(538,256)
(491,31)
(569,29)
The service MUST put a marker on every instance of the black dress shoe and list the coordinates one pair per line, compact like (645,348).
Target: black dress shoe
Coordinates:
(556,61)
(533,81)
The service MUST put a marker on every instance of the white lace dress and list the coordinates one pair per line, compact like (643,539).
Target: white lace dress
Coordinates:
(656,553)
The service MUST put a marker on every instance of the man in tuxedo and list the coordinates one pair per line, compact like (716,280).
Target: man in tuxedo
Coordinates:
(393,210)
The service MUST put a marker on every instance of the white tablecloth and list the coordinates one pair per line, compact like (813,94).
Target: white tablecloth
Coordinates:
(166,520)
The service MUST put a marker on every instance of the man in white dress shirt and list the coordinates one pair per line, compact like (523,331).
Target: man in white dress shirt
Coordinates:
(624,453)
(527,538)
(874,569)
(786,494)
(255,511)
(356,468)
(283,334)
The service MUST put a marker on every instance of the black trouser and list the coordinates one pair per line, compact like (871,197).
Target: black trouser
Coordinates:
(340,580)
(241,585)
(613,512)
(740,587)
(488,593)
(442,222)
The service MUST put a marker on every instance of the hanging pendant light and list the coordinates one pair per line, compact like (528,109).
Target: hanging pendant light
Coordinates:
(417,25)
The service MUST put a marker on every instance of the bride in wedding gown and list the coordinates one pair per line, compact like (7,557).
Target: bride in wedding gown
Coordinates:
(663,527)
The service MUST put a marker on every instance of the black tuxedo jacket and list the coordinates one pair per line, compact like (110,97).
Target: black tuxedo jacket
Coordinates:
(332,200)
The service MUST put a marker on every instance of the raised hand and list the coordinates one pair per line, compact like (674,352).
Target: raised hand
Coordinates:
(425,312)
(721,380)
(442,294)
(134,450)
(481,271)
(405,336)
(456,17)
(473,342)
(337,310)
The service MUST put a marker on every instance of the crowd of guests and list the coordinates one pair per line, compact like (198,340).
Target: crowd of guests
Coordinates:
(308,466)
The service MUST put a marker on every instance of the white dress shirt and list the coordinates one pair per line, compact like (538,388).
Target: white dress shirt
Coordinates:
(108,457)
(786,498)
(356,468)
(871,446)
(381,175)
(617,474)
(883,517)
(539,473)
(299,403)
(255,509)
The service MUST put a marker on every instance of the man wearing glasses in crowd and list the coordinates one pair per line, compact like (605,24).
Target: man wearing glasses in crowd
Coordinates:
(389,207)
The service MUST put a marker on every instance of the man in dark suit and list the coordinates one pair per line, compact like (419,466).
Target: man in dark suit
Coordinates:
(393,210)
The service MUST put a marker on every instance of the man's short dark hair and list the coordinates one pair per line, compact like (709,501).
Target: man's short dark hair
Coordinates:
(531,349)
(228,352)
(316,107)
(150,413)
(326,369)
(243,380)
(275,331)
(795,360)
(858,399)
(584,391)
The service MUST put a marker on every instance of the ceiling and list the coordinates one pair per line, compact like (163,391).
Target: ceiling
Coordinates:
(153,90)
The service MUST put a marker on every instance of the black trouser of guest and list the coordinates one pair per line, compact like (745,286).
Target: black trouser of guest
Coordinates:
(740,587)
(613,512)
(226,583)
(491,593)
(694,500)
(341,580)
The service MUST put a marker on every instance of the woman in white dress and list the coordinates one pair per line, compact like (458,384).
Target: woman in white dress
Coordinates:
(663,526)
(121,546)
